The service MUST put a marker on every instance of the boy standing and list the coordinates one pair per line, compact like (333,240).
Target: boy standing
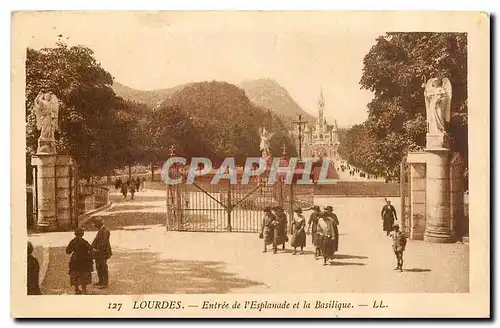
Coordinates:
(398,245)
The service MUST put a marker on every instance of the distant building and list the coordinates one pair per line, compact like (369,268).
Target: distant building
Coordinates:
(320,139)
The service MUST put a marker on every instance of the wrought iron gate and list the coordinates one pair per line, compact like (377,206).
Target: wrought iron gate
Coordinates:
(203,206)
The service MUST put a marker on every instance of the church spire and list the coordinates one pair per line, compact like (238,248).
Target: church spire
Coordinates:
(321,104)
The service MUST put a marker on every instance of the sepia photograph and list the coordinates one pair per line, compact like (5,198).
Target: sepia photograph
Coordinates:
(243,159)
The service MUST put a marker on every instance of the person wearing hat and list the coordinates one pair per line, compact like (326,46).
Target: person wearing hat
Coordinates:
(398,245)
(312,226)
(80,263)
(102,251)
(33,272)
(267,230)
(335,221)
(280,235)
(326,237)
(298,232)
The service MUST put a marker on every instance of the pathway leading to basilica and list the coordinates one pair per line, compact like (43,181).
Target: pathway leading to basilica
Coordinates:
(148,259)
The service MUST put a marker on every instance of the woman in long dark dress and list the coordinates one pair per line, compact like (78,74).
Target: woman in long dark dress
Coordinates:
(326,236)
(298,232)
(280,231)
(81,263)
(335,220)
(388,215)
(313,227)
(267,229)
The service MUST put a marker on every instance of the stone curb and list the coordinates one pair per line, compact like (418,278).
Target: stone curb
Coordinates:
(85,217)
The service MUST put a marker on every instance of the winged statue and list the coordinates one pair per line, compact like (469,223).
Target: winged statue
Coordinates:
(437,95)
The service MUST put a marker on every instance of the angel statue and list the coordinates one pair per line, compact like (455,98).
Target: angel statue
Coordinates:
(265,143)
(437,95)
(47,111)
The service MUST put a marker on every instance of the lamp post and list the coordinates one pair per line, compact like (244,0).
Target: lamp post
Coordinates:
(299,123)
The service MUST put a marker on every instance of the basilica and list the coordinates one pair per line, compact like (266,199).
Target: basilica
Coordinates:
(319,139)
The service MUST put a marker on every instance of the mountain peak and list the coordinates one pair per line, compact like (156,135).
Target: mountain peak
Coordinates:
(269,94)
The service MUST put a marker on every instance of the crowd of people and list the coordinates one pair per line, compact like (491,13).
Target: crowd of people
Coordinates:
(130,186)
(323,226)
(353,171)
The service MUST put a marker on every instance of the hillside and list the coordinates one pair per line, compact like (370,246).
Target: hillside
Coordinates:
(270,94)
(225,122)
(151,98)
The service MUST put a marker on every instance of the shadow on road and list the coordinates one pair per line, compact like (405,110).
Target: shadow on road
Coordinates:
(143,272)
(347,256)
(121,207)
(335,263)
(117,221)
(417,270)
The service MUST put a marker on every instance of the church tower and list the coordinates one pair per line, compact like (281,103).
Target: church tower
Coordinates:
(321,105)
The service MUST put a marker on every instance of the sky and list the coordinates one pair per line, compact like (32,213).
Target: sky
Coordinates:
(302,52)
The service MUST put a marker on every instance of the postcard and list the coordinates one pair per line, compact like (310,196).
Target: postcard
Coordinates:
(244,164)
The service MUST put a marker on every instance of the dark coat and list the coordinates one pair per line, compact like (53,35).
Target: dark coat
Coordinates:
(388,214)
(81,255)
(101,244)
(33,276)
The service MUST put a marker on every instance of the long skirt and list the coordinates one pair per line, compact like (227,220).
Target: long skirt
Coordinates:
(268,237)
(327,246)
(298,239)
(336,238)
(280,236)
(387,224)
(77,278)
(315,239)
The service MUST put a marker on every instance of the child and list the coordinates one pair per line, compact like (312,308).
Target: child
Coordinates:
(398,245)
(81,263)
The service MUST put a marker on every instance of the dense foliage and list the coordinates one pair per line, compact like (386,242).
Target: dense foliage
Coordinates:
(94,124)
(394,70)
(104,132)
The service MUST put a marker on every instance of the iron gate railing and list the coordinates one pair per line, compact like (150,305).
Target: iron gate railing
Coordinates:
(203,206)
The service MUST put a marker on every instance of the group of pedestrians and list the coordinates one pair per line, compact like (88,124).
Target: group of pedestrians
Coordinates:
(130,186)
(81,262)
(83,254)
(323,226)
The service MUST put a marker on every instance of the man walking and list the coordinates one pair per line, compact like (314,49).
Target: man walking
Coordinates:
(102,251)
(388,215)
(398,246)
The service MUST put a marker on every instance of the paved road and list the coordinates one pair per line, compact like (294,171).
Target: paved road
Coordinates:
(148,259)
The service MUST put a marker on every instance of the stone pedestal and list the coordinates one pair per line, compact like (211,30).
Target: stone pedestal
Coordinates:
(55,189)
(438,222)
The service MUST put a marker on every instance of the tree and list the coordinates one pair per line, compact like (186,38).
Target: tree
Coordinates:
(90,127)
(394,69)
